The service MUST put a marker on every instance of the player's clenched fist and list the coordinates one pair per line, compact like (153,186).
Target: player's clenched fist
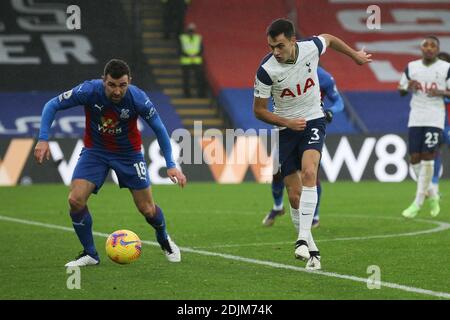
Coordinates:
(298,124)
(41,151)
(413,85)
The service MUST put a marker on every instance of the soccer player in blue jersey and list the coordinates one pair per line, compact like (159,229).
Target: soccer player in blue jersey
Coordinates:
(329,91)
(111,141)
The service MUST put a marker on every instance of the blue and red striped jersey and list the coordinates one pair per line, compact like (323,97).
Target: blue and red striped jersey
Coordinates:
(109,126)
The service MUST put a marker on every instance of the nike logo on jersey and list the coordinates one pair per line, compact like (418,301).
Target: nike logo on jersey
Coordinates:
(303,214)
(98,107)
(281,80)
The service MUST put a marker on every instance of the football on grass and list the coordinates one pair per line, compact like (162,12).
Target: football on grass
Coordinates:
(123,246)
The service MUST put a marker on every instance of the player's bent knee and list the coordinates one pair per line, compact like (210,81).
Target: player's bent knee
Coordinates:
(76,203)
(147,209)
(309,177)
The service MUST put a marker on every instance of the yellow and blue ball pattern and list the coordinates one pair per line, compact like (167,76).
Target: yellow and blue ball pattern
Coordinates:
(123,246)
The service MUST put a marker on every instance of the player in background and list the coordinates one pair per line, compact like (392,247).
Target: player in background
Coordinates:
(111,141)
(328,90)
(446,139)
(428,79)
(288,75)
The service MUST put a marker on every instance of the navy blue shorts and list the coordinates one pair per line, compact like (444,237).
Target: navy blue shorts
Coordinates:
(94,166)
(292,144)
(424,139)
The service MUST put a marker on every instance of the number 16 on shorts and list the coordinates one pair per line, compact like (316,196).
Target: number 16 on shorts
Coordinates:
(141,170)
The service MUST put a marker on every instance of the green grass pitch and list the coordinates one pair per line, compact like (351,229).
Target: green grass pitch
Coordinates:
(226,252)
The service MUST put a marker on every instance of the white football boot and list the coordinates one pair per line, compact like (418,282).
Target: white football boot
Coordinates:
(171,251)
(301,250)
(83,260)
(314,261)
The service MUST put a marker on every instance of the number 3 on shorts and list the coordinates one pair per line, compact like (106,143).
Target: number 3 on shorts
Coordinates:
(315,137)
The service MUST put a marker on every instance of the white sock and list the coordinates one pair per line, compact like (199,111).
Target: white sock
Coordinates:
(277,208)
(311,244)
(433,190)
(295,216)
(416,169)
(424,179)
(308,203)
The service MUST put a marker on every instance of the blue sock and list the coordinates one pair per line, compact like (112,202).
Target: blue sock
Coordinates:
(437,168)
(82,223)
(277,191)
(319,193)
(159,224)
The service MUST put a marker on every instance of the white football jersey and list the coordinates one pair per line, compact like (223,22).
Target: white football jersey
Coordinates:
(294,87)
(427,111)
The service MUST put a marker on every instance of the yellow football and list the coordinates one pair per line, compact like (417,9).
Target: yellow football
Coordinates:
(123,246)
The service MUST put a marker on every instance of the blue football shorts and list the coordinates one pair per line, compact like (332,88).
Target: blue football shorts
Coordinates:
(424,139)
(292,144)
(94,165)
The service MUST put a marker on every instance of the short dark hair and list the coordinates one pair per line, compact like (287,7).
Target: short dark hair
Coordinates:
(280,26)
(117,68)
(444,56)
(434,38)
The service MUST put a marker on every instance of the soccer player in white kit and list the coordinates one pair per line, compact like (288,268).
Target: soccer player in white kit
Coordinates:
(428,79)
(289,75)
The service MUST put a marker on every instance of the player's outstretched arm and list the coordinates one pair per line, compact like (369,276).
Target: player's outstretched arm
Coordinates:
(360,57)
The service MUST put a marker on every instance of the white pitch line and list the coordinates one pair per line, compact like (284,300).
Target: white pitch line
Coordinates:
(391,285)
(441,226)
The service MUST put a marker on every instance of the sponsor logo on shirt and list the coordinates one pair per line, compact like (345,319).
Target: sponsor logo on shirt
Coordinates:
(298,89)
(109,126)
(125,114)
